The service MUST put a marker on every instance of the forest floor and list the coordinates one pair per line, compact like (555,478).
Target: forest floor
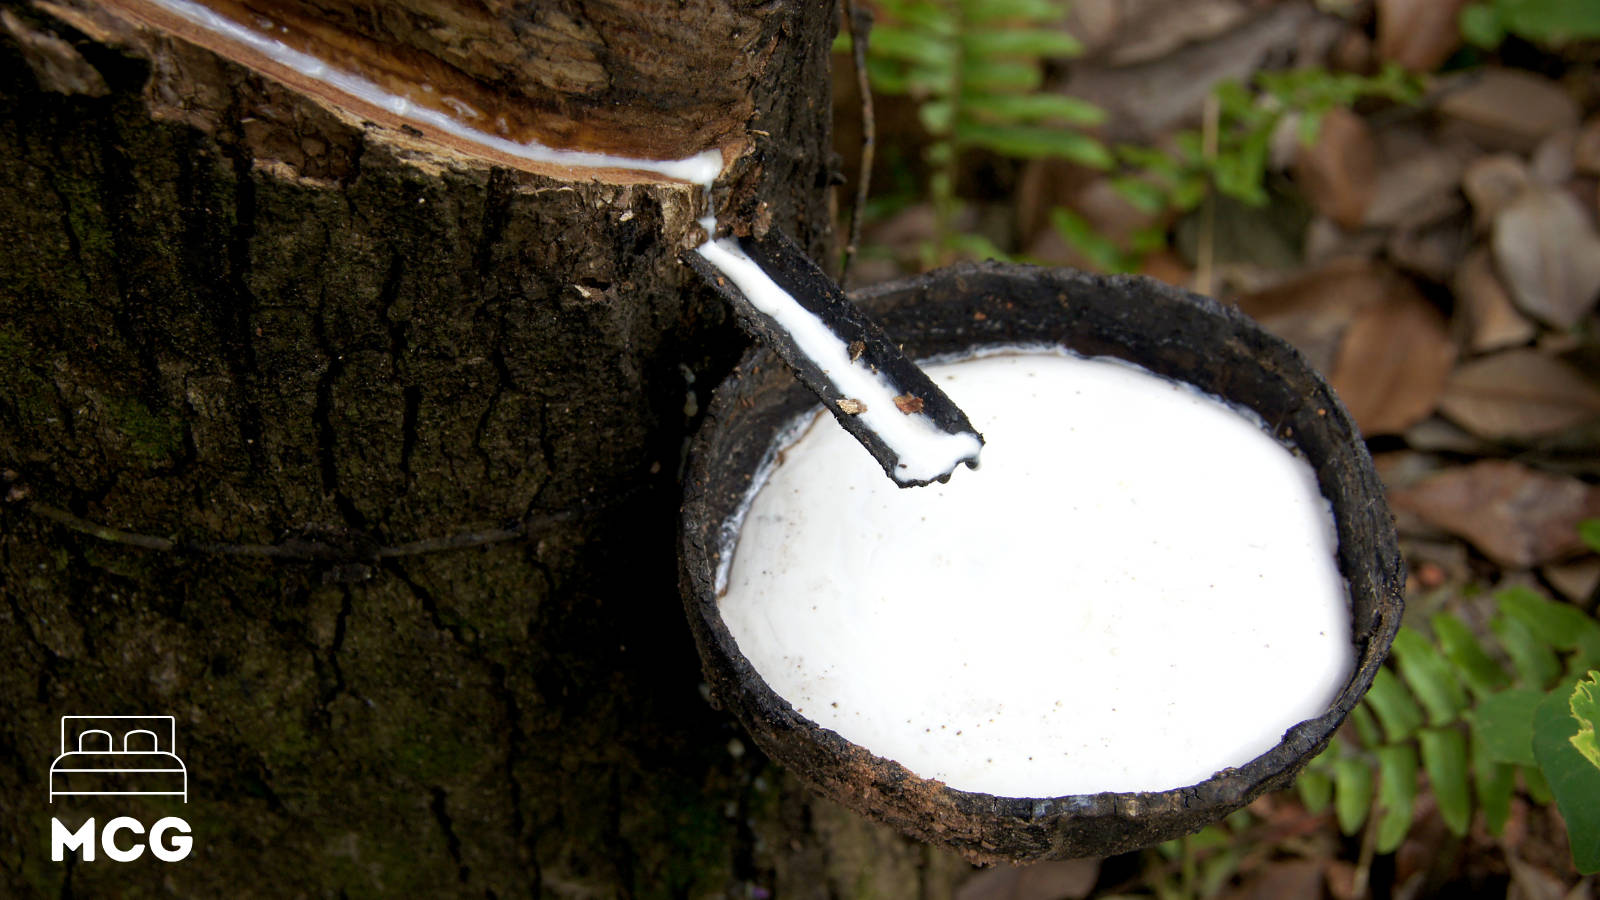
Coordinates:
(1438,260)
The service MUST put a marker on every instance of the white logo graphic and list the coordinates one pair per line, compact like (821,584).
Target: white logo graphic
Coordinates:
(118,756)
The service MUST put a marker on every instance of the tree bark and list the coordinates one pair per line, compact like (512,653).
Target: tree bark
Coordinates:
(361,461)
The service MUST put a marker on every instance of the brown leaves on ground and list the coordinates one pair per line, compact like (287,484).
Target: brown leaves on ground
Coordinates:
(1517,516)
(1393,362)
(1312,311)
(1339,171)
(1486,319)
(1385,349)
(1506,109)
(1549,252)
(1519,394)
(1418,34)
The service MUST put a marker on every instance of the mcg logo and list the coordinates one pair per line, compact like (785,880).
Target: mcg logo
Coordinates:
(111,756)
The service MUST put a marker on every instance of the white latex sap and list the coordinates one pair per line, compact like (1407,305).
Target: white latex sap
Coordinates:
(701,168)
(1137,589)
(924,450)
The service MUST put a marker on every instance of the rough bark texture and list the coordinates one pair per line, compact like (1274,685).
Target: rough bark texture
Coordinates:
(600,75)
(229,317)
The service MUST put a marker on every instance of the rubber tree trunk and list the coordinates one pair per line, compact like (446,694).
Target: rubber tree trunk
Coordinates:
(361,461)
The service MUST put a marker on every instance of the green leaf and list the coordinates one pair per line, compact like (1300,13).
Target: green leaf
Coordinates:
(1352,793)
(1366,726)
(914,47)
(887,77)
(1190,192)
(976,246)
(1495,782)
(1393,706)
(1315,789)
(1503,722)
(1025,42)
(1573,780)
(1144,196)
(936,115)
(1308,127)
(1444,758)
(1429,676)
(1535,662)
(1538,788)
(1096,247)
(1237,821)
(1151,160)
(1589,532)
(938,20)
(1481,673)
(1555,624)
(1239,170)
(1033,108)
(1585,703)
(986,76)
(986,12)
(1481,26)
(1551,21)
(1397,794)
(1032,142)
(1219,869)
(891,77)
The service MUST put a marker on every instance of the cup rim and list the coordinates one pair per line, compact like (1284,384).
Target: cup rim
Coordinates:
(1161,328)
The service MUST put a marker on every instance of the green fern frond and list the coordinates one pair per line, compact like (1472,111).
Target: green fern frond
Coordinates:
(1446,707)
(976,70)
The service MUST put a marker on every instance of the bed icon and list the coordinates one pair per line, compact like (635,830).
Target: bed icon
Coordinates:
(118,756)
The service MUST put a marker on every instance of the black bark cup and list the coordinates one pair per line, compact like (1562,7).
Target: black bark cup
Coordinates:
(1172,333)
(790,269)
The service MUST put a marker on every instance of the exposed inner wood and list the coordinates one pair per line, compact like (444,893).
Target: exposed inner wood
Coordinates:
(592,78)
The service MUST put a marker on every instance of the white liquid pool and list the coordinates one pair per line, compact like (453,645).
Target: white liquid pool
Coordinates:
(1137,589)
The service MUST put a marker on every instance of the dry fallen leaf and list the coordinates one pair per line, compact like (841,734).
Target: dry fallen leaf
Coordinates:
(1145,100)
(1506,109)
(1530,882)
(1491,183)
(1418,34)
(1313,310)
(1518,394)
(1166,26)
(1436,434)
(1416,173)
(1547,249)
(1434,249)
(1576,581)
(1486,319)
(1586,149)
(1165,265)
(1554,161)
(1393,361)
(1342,880)
(1338,172)
(1516,516)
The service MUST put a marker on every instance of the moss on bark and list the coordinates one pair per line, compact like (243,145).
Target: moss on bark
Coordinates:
(253,324)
